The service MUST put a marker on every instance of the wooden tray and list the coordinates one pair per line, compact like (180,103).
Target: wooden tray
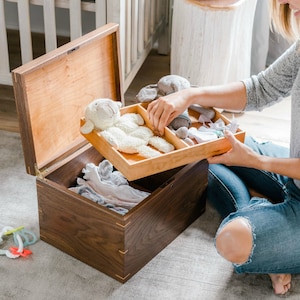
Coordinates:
(134,166)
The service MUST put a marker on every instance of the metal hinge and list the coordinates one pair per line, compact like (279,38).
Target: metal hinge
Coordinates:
(41,174)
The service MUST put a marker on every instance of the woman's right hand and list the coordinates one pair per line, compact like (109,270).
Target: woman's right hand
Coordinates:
(163,110)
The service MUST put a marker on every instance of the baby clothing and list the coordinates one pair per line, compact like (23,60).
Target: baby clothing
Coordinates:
(107,187)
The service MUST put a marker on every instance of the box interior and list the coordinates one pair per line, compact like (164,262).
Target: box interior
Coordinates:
(67,174)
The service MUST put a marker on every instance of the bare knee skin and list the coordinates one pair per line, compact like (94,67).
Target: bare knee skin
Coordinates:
(234,241)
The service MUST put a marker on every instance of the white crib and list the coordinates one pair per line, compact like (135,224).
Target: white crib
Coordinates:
(142,23)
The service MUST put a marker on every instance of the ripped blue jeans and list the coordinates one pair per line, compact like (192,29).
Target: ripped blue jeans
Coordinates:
(275,226)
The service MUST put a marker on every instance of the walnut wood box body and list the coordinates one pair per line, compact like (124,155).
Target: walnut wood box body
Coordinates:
(119,245)
(51,94)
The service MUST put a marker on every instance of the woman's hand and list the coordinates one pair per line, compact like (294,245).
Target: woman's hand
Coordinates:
(163,110)
(239,155)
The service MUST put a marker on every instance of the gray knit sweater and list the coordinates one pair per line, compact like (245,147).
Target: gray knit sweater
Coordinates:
(280,80)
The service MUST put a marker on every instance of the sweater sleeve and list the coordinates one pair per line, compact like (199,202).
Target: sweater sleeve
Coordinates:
(273,84)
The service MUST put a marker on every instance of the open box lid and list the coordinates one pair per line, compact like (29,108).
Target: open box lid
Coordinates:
(53,90)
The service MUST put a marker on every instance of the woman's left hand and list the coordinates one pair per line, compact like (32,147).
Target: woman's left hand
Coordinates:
(239,155)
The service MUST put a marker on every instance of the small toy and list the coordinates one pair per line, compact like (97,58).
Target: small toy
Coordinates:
(124,132)
(167,85)
(22,238)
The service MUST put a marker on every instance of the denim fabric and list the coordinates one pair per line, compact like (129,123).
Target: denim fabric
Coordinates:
(275,226)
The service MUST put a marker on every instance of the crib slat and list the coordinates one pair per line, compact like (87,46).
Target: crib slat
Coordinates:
(100,11)
(141,13)
(164,40)
(114,7)
(128,37)
(146,21)
(25,31)
(134,30)
(50,26)
(4,61)
(152,16)
(158,10)
(75,19)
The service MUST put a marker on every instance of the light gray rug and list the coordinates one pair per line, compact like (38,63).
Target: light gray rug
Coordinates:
(188,269)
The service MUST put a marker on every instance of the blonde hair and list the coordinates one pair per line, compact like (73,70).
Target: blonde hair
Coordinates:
(283,20)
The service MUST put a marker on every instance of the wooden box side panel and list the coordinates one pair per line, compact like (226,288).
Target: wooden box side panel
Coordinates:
(171,210)
(81,229)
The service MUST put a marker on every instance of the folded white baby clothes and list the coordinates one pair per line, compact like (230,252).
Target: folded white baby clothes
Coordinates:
(107,187)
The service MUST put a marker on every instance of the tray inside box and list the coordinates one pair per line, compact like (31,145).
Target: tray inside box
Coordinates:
(134,166)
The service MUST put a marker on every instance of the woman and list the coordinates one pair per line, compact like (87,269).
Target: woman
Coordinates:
(258,233)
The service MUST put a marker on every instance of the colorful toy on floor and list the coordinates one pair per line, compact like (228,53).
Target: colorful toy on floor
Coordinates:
(22,238)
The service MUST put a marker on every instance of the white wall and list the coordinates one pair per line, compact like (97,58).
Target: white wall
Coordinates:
(37,23)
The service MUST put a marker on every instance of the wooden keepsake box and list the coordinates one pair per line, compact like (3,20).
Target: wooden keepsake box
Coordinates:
(51,94)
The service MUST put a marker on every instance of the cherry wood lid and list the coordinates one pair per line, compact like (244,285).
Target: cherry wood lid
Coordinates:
(53,90)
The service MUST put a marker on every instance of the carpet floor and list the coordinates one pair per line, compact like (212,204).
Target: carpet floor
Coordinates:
(187,269)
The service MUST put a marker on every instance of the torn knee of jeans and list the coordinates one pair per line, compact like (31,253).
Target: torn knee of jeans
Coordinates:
(234,239)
